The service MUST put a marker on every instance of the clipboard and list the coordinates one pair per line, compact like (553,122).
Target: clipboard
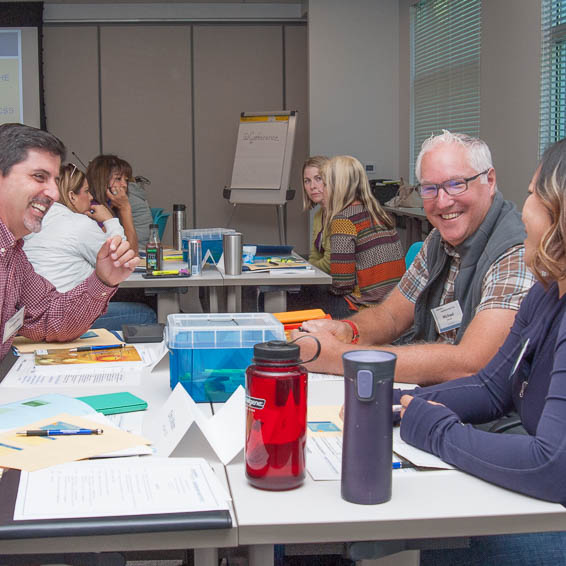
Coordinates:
(10,529)
(7,363)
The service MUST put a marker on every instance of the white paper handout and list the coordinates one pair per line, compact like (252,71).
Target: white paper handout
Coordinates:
(118,487)
(417,456)
(181,429)
(324,377)
(23,374)
(152,353)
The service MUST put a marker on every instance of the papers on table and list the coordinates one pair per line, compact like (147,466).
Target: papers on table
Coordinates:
(56,360)
(324,377)
(324,447)
(181,429)
(415,455)
(36,452)
(130,422)
(21,413)
(119,487)
(152,353)
(94,337)
(24,374)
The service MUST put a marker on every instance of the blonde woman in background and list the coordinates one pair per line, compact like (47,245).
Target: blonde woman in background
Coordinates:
(64,251)
(366,255)
(313,194)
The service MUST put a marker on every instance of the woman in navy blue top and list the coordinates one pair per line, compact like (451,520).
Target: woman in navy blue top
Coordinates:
(528,375)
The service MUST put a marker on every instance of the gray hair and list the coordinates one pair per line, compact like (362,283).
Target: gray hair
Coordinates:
(17,139)
(479,156)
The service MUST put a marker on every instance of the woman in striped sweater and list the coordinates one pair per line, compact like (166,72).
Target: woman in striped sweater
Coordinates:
(366,255)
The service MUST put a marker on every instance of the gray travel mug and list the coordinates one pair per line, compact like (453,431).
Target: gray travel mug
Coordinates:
(232,249)
(368,430)
(179,220)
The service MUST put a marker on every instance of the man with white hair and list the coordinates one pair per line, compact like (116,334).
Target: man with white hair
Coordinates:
(454,306)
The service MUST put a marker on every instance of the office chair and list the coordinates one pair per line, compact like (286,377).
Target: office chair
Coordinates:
(413,250)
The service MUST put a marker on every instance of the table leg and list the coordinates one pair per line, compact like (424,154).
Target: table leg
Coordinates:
(206,557)
(213,299)
(261,555)
(282,222)
(234,298)
(167,303)
(275,301)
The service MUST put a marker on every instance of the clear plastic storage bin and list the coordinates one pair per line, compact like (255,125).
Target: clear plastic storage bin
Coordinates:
(209,353)
(211,239)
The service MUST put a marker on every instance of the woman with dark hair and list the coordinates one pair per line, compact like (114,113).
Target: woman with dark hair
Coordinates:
(527,375)
(108,177)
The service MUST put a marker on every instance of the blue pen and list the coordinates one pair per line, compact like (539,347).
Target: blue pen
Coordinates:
(92,348)
(60,432)
(402,465)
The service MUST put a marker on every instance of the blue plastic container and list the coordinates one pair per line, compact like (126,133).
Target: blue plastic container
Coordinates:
(209,353)
(211,240)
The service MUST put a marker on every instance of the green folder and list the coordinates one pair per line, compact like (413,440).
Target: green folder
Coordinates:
(114,403)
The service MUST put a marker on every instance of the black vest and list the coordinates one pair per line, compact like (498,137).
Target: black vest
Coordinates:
(500,230)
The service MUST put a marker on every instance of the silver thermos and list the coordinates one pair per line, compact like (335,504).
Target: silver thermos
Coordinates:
(179,220)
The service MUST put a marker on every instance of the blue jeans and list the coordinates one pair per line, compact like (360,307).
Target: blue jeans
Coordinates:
(532,549)
(120,313)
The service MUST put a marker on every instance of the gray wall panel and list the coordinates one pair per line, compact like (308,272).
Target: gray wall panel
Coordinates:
(147,109)
(71,87)
(296,98)
(236,68)
(146,98)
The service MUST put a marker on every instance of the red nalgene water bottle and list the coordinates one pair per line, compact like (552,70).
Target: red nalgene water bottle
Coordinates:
(276,416)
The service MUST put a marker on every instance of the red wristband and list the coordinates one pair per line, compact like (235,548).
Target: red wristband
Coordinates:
(355,331)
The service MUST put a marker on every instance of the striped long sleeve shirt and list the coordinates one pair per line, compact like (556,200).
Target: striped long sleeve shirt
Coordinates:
(366,261)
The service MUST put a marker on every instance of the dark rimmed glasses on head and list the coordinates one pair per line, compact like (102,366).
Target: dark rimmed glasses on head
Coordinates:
(452,187)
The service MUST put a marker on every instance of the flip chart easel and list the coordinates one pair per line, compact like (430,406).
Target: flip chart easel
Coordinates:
(262,162)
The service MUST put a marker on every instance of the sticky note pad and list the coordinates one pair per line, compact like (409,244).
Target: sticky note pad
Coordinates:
(114,403)
(322,426)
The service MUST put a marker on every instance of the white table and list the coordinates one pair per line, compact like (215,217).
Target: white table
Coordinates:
(154,389)
(275,299)
(424,505)
(168,288)
(215,279)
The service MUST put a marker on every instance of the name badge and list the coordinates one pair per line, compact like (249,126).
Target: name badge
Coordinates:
(13,325)
(447,317)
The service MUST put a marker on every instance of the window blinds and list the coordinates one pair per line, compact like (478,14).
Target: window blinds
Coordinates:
(445,69)
(553,73)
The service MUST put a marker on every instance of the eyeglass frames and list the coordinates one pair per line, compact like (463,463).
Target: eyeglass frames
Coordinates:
(452,187)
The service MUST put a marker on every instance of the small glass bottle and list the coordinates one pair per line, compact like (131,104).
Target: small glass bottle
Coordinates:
(153,250)
(276,417)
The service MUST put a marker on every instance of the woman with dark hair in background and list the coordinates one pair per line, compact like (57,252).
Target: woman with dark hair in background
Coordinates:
(108,177)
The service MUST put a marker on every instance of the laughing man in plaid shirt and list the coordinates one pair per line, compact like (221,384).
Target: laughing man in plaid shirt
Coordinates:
(454,306)
(30,305)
